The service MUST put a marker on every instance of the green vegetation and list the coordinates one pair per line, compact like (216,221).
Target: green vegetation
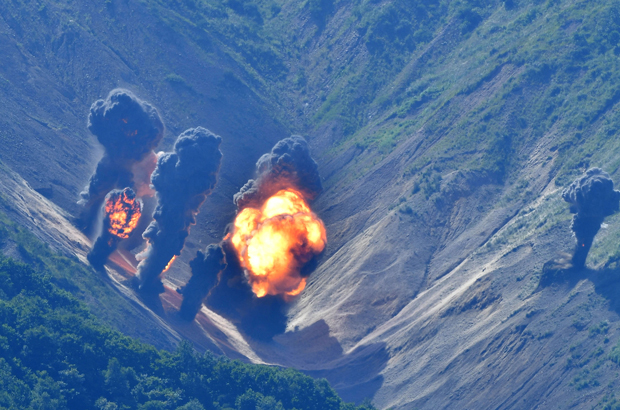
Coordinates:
(482,80)
(486,87)
(68,274)
(430,182)
(176,79)
(54,354)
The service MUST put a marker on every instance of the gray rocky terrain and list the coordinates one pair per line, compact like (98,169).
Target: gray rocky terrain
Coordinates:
(431,292)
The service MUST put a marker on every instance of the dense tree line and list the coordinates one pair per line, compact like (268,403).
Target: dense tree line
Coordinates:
(54,354)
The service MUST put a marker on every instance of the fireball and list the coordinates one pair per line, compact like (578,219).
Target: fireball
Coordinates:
(122,211)
(169,265)
(274,242)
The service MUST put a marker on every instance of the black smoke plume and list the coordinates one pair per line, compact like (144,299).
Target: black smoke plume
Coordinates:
(205,270)
(591,197)
(182,181)
(232,297)
(289,165)
(116,227)
(129,129)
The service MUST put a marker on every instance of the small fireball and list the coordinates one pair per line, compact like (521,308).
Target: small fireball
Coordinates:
(122,211)
(274,242)
(169,265)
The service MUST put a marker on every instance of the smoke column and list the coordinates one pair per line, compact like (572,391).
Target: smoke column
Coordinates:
(259,318)
(129,129)
(205,270)
(289,165)
(182,180)
(275,233)
(122,210)
(591,197)
(274,243)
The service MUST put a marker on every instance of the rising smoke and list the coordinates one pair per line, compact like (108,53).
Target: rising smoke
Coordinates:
(129,129)
(275,232)
(259,318)
(275,241)
(591,197)
(271,209)
(205,270)
(182,180)
(289,165)
(122,210)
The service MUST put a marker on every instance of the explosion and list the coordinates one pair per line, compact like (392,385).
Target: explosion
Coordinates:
(129,129)
(288,165)
(122,211)
(182,180)
(274,242)
(206,267)
(169,265)
(274,239)
(592,198)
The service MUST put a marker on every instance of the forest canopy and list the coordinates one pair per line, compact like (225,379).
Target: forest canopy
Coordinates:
(54,354)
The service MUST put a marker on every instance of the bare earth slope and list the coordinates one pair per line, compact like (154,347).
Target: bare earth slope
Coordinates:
(443,161)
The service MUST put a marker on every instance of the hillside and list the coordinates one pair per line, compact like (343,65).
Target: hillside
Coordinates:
(55,355)
(444,132)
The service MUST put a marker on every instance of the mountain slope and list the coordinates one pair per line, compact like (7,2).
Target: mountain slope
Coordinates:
(444,132)
(55,355)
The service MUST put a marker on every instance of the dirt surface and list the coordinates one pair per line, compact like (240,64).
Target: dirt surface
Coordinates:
(421,300)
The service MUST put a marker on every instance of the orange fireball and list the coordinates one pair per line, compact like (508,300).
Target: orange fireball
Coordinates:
(123,211)
(170,263)
(274,242)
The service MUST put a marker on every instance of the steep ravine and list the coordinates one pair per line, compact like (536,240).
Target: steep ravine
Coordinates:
(471,328)
(428,294)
